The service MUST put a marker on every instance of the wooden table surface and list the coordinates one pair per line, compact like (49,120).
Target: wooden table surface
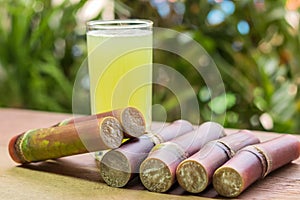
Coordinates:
(77,177)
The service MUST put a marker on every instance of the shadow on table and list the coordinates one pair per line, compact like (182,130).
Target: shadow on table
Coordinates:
(79,166)
(85,167)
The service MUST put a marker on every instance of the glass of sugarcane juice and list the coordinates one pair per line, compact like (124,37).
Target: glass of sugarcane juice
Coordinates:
(120,65)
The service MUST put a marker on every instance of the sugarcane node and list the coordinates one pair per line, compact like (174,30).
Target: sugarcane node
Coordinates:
(268,163)
(260,155)
(155,138)
(226,148)
(254,162)
(119,166)
(238,173)
(236,141)
(172,153)
(209,158)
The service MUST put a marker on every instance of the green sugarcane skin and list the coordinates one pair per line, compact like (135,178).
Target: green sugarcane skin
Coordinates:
(43,144)
(65,122)
(60,141)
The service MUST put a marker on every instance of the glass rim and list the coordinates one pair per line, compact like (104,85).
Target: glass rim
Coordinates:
(119,24)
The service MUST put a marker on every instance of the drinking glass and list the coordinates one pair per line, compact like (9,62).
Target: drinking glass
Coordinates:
(120,65)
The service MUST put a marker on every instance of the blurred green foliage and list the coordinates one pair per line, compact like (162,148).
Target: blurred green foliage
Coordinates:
(40,53)
(37,62)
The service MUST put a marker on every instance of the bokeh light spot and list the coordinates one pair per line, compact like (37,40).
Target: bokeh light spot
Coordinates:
(266,121)
(215,17)
(163,9)
(243,27)
(228,7)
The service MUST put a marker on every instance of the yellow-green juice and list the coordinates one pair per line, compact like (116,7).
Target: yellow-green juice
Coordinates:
(120,70)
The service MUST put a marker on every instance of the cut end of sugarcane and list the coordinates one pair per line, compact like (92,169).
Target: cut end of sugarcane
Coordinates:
(14,150)
(192,176)
(228,182)
(155,175)
(115,169)
(133,122)
(111,132)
